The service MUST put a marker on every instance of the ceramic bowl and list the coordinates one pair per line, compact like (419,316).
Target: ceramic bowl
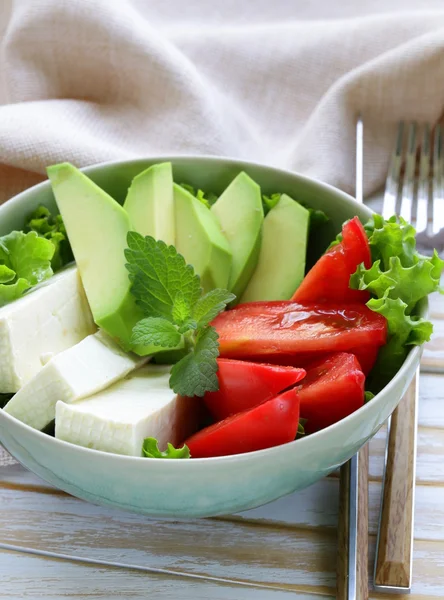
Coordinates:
(215,486)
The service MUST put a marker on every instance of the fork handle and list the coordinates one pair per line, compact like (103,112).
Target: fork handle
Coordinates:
(393,566)
(352,558)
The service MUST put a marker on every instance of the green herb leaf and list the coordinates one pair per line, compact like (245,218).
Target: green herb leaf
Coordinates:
(301,431)
(209,306)
(158,274)
(28,257)
(53,229)
(6,274)
(181,310)
(368,396)
(155,331)
(399,277)
(404,330)
(270,202)
(150,449)
(196,373)
(408,283)
(207,198)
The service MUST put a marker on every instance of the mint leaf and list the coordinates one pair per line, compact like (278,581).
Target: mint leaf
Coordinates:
(155,331)
(196,373)
(209,306)
(150,449)
(53,229)
(181,310)
(158,274)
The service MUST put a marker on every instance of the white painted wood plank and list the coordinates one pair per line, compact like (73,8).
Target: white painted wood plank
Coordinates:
(265,554)
(30,576)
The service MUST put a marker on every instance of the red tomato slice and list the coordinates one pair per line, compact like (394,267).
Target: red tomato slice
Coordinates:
(332,390)
(329,279)
(366,356)
(259,329)
(272,423)
(243,385)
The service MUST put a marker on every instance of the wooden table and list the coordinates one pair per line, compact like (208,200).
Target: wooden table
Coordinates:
(284,550)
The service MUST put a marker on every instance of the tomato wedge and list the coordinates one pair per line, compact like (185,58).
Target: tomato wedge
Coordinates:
(332,390)
(264,329)
(328,280)
(245,384)
(272,423)
(366,356)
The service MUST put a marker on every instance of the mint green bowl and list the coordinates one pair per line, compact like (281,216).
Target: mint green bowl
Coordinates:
(214,486)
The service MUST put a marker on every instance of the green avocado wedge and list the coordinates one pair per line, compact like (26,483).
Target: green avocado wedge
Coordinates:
(281,265)
(240,213)
(200,240)
(97,228)
(150,204)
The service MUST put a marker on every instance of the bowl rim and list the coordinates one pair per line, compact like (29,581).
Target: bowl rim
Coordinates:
(313,438)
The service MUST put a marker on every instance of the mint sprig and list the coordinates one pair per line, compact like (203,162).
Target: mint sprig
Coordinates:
(150,449)
(196,373)
(175,313)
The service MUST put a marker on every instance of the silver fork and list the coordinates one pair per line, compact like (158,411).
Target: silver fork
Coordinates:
(414,190)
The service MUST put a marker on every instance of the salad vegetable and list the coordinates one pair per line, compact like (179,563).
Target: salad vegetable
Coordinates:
(272,423)
(232,346)
(52,228)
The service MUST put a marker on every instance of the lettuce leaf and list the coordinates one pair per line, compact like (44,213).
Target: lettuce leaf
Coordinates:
(53,229)
(207,198)
(150,449)
(397,280)
(25,261)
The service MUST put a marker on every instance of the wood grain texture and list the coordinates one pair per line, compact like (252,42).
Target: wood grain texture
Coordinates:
(55,579)
(362,575)
(393,561)
(342,564)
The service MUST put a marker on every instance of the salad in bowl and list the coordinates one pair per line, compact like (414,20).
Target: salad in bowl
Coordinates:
(249,325)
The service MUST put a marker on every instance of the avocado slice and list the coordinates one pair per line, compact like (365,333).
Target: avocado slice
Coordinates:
(240,212)
(200,240)
(97,228)
(281,265)
(150,203)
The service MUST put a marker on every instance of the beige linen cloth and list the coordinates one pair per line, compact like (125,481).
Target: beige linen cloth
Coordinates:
(277,81)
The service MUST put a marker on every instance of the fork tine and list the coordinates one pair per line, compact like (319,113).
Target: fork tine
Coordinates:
(409,176)
(422,217)
(392,183)
(438,192)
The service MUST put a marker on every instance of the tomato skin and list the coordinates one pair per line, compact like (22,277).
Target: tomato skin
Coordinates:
(272,423)
(366,356)
(264,329)
(243,385)
(329,279)
(332,390)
